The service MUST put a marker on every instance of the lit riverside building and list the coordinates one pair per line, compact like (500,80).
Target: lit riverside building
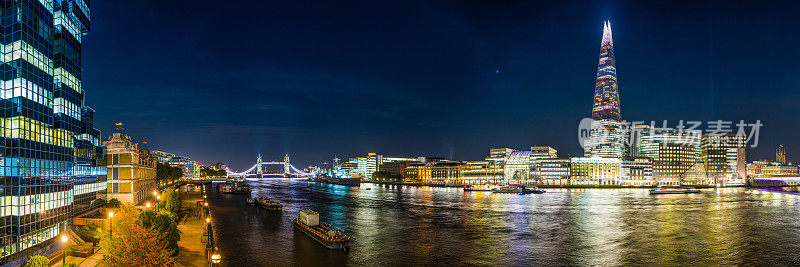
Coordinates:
(50,147)
(605,137)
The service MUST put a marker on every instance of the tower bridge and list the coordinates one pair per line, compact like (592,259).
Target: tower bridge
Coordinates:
(258,170)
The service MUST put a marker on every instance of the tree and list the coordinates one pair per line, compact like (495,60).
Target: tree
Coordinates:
(382,175)
(173,201)
(175,173)
(165,224)
(164,172)
(114,203)
(209,172)
(38,261)
(132,244)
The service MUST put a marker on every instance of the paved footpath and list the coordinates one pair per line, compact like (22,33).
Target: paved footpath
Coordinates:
(192,251)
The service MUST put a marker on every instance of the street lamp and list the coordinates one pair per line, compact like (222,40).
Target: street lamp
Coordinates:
(215,258)
(208,220)
(64,240)
(147,205)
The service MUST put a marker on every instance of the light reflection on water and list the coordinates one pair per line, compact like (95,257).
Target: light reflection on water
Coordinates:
(397,225)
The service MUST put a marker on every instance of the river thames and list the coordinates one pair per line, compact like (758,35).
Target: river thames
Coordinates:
(406,225)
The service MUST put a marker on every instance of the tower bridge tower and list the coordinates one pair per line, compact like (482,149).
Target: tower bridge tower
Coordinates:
(287,171)
(258,164)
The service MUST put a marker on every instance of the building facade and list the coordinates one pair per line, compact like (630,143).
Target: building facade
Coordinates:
(550,171)
(517,167)
(50,147)
(637,171)
(724,156)
(131,172)
(163,157)
(481,172)
(191,169)
(595,171)
(671,161)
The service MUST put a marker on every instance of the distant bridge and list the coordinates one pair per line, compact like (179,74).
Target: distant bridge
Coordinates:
(256,170)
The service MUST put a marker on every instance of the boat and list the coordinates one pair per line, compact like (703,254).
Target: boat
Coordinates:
(486,187)
(324,233)
(660,191)
(335,175)
(339,181)
(265,203)
(518,189)
(234,188)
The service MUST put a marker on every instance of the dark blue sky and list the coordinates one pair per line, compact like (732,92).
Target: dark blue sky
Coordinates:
(223,82)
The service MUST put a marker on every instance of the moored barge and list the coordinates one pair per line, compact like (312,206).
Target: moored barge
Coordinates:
(265,203)
(324,233)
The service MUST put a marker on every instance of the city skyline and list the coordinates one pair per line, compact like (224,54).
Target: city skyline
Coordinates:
(407,133)
(528,75)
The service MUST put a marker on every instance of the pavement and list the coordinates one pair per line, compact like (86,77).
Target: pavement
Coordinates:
(192,250)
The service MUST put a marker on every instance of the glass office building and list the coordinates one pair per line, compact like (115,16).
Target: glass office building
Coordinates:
(49,144)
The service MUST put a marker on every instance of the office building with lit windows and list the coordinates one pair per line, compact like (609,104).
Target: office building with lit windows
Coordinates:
(672,161)
(480,172)
(190,167)
(517,167)
(724,156)
(163,157)
(595,171)
(50,147)
(550,171)
(636,171)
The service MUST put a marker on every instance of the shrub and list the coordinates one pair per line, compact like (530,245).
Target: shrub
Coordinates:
(38,261)
(165,224)
(114,203)
(89,233)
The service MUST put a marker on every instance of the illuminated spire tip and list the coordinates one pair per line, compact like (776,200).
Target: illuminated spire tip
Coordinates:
(607,40)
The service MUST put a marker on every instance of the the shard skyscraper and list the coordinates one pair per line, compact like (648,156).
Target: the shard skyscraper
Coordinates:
(606,139)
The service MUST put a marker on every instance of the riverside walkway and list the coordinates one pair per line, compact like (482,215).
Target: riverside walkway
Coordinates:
(192,250)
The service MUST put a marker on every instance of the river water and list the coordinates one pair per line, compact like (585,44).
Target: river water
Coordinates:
(404,225)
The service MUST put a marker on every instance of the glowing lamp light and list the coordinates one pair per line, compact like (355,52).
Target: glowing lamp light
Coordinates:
(215,258)
(148,205)
(155,193)
(64,239)
(208,220)
(111,215)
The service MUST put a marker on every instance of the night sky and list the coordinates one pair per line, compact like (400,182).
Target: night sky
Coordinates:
(224,81)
